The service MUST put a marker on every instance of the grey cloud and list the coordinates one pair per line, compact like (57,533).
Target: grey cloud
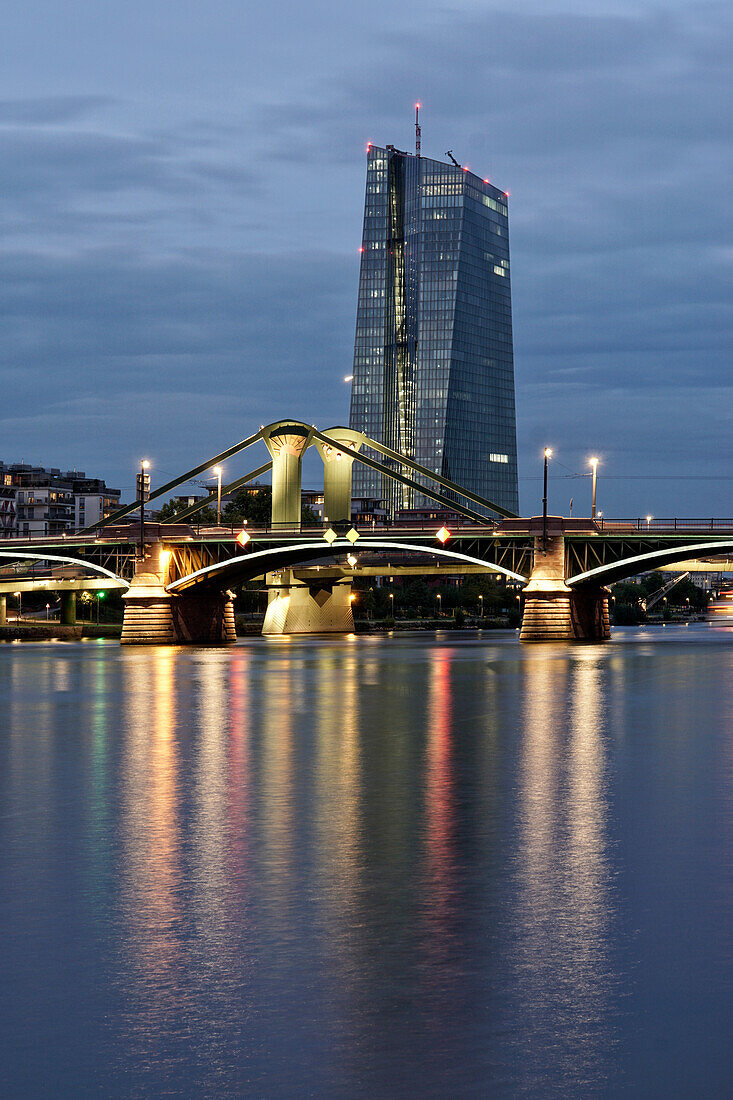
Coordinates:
(178,356)
(50,110)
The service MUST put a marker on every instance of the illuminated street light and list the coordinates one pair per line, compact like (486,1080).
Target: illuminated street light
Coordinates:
(351,560)
(143,494)
(19,604)
(648,521)
(594,467)
(548,456)
(217,471)
(481,606)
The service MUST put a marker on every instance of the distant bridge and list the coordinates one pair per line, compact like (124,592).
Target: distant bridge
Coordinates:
(178,580)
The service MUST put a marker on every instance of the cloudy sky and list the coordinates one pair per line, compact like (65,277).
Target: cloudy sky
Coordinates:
(181,202)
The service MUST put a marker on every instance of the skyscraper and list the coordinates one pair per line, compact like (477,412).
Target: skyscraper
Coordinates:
(433,359)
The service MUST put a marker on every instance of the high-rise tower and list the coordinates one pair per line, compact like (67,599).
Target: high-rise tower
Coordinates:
(433,360)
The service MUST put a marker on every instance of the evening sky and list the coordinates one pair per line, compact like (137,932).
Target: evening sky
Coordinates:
(182,192)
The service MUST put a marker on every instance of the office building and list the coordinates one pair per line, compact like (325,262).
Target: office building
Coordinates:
(36,501)
(433,374)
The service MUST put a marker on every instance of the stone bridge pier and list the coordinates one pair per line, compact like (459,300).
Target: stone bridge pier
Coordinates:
(154,616)
(298,606)
(553,611)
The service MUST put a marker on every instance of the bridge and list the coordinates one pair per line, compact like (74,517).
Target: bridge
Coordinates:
(177,577)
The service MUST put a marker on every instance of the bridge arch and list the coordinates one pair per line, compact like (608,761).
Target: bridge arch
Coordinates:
(246,566)
(643,563)
(64,559)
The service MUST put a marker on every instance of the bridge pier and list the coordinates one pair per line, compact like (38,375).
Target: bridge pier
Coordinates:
(295,607)
(552,610)
(153,616)
(67,614)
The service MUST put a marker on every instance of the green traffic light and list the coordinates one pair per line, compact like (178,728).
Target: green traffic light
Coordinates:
(101,595)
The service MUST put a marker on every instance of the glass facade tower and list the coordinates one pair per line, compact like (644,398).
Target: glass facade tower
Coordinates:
(433,359)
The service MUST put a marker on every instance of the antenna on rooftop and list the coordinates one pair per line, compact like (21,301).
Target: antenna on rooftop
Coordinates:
(418,131)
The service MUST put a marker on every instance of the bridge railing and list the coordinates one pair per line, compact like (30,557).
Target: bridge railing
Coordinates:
(663,525)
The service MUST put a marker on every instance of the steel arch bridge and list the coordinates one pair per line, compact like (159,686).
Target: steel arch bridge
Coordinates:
(179,568)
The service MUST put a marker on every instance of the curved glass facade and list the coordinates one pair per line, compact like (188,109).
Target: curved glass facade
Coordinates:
(433,359)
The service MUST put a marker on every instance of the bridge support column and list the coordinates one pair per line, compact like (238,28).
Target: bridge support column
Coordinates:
(286,443)
(297,608)
(337,468)
(555,612)
(67,615)
(155,617)
(3,610)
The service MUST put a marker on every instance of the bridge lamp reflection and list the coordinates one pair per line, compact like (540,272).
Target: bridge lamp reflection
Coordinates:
(351,560)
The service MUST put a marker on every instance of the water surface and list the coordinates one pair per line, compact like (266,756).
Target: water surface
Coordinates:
(419,865)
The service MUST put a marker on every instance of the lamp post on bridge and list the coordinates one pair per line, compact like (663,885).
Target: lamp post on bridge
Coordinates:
(217,471)
(594,466)
(548,456)
(143,493)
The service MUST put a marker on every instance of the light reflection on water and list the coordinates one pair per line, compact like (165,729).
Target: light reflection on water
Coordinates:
(409,866)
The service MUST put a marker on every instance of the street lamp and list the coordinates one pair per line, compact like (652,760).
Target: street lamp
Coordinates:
(481,606)
(391,604)
(548,456)
(439,598)
(648,521)
(20,611)
(217,471)
(48,607)
(594,467)
(143,493)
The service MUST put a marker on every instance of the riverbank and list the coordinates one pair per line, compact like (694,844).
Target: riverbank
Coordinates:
(50,631)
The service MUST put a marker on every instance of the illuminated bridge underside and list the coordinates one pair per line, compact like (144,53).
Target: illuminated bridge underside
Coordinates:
(247,566)
(635,557)
(58,559)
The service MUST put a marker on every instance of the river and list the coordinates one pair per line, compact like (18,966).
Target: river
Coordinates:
(420,865)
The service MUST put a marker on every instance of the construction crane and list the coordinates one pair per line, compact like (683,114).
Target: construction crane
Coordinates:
(449,153)
(649,602)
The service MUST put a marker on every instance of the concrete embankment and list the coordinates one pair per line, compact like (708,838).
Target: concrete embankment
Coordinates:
(45,632)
